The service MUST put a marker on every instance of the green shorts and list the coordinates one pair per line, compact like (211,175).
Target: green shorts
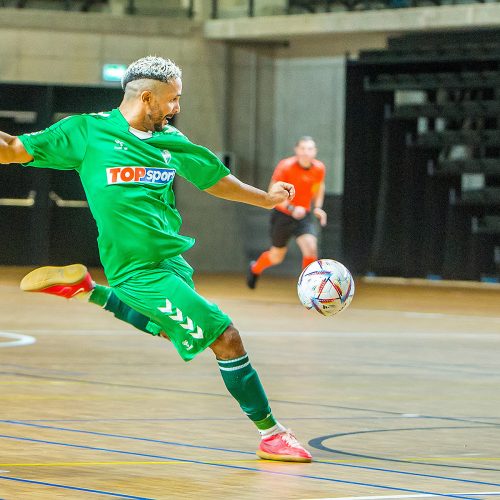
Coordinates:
(165,293)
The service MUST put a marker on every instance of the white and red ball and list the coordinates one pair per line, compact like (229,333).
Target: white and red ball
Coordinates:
(326,286)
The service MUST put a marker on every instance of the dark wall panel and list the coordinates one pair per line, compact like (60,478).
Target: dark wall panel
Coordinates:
(51,231)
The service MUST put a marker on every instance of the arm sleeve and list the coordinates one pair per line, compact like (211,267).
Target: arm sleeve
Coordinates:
(279,173)
(62,146)
(201,167)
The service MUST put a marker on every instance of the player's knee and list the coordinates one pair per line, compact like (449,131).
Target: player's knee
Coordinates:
(277,258)
(229,344)
(310,250)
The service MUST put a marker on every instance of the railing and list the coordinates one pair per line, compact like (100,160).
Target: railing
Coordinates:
(29,201)
(219,8)
(130,6)
(82,6)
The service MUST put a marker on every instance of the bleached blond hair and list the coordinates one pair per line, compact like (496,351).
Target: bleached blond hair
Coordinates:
(151,68)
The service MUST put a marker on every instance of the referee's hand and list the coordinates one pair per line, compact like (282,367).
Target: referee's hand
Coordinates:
(321,215)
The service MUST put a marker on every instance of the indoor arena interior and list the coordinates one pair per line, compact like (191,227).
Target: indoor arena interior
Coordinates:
(335,166)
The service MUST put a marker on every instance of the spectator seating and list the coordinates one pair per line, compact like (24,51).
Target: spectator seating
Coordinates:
(433,107)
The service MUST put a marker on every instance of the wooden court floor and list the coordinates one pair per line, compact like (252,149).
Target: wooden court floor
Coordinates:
(397,397)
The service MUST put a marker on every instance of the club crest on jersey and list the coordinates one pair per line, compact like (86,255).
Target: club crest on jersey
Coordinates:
(149,175)
(166,156)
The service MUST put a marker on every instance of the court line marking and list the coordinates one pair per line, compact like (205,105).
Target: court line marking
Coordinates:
(120,436)
(402,496)
(75,488)
(391,497)
(238,467)
(141,462)
(186,445)
(117,462)
(221,419)
(317,443)
(213,394)
(393,471)
(18,339)
(303,333)
(337,461)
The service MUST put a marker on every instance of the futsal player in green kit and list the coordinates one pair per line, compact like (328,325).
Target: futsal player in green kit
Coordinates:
(127,159)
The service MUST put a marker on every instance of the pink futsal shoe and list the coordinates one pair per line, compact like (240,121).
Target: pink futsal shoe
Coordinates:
(283,447)
(66,281)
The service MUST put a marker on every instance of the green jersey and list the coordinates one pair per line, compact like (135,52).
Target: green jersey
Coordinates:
(127,175)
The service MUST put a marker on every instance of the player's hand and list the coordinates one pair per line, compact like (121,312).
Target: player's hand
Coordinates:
(321,215)
(298,212)
(280,192)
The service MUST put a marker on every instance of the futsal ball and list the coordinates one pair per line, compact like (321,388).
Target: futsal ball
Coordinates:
(326,286)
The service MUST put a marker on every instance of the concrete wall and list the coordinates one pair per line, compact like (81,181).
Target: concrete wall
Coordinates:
(282,28)
(74,52)
(310,97)
(273,100)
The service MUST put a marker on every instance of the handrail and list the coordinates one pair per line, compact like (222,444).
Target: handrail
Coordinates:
(321,6)
(87,5)
(19,202)
(60,202)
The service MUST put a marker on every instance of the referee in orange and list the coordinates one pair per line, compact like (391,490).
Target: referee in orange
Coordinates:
(307,174)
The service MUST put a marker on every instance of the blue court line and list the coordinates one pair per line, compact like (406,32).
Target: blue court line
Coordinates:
(121,436)
(213,394)
(63,486)
(418,474)
(186,445)
(317,443)
(237,467)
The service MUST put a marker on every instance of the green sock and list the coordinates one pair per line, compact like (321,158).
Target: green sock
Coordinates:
(103,296)
(244,385)
(100,295)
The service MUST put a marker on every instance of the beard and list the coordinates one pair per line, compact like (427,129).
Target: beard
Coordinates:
(158,126)
(157,119)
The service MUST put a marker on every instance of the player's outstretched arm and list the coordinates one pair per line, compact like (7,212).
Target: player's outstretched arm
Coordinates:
(12,150)
(231,188)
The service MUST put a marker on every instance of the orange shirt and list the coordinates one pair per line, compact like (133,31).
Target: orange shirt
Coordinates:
(306,181)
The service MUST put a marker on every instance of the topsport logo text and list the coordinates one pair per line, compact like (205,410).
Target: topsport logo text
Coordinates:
(121,175)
